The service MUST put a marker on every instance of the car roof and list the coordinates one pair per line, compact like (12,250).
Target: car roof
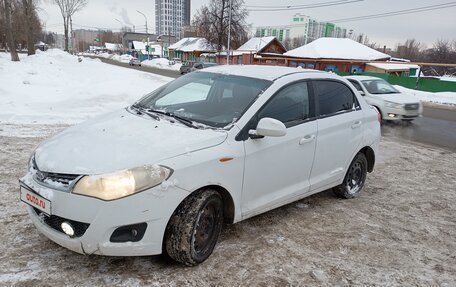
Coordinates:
(361,78)
(264,72)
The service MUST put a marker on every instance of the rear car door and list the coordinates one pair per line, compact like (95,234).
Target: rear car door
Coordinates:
(340,132)
(277,169)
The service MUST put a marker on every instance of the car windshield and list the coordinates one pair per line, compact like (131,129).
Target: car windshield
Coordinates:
(212,99)
(379,86)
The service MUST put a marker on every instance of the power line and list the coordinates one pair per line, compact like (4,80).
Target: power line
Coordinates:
(295,6)
(309,6)
(395,13)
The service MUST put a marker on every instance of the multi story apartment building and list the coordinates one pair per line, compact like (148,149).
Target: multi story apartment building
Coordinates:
(303,26)
(171,16)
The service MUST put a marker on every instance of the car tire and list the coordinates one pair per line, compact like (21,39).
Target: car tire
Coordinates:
(354,178)
(194,227)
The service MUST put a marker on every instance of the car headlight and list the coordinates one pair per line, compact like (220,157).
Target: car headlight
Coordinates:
(393,105)
(122,183)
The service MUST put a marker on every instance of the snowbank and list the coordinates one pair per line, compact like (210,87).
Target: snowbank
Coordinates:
(54,88)
(447,98)
(125,58)
(161,63)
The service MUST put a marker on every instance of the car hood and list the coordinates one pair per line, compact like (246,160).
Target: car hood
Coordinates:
(399,98)
(120,140)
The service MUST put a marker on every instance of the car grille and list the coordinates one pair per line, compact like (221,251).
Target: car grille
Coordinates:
(410,107)
(55,221)
(64,179)
(45,177)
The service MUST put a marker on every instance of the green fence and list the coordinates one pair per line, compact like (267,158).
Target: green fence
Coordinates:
(424,84)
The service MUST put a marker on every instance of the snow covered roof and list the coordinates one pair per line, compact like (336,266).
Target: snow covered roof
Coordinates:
(337,48)
(393,66)
(193,44)
(139,45)
(256,44)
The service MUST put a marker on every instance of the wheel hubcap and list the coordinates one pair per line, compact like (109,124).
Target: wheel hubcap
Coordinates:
(355,178)
(205,228)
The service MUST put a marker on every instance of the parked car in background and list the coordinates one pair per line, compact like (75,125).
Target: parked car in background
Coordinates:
(186,66)
(134,62)
(175,61)
(218,145)
(199,66)
(389,101)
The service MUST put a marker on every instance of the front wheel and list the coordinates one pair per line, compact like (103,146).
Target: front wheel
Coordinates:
(193,229)
(354,178)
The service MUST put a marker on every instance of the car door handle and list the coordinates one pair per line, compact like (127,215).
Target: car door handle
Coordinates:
(306,139)
(356,124)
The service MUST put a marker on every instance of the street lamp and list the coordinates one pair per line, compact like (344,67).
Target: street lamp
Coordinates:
(145,18)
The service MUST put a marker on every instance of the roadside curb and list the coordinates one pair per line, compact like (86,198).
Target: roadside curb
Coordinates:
(439,106)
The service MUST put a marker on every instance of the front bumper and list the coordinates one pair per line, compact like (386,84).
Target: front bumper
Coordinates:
(401,114)
(153,207)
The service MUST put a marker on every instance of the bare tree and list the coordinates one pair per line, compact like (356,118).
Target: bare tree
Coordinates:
(411,50)
(442,52)
(297,42)
(68,8)
(287,43)
(212,21)
(9,29)
(367,42)
(29,18)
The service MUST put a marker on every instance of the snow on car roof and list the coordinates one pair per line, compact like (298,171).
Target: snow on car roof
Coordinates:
(258,71)
(337,48)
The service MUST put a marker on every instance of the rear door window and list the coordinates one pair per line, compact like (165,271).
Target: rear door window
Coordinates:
(334,97)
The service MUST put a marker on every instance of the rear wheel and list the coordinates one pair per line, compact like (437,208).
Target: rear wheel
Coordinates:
(193,230)
(354,178)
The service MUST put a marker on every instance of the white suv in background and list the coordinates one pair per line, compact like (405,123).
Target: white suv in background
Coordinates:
(218,145)
(391,103)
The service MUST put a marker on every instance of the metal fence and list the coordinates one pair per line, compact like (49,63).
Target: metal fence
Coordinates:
(422,84)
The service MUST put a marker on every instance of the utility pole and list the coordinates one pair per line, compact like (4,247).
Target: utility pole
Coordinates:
(229,34)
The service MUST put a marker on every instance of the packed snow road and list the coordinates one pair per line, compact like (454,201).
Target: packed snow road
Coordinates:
(399,232)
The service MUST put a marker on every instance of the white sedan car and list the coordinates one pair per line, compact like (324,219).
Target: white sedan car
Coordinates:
(214,146)
(390,102)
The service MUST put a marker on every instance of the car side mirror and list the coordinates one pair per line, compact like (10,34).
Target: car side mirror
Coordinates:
(268,127)
(362,93)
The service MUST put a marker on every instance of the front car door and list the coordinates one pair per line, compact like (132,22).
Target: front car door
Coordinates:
(277,169)
(340,132)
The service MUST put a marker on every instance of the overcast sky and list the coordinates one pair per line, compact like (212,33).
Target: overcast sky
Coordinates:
(426,27)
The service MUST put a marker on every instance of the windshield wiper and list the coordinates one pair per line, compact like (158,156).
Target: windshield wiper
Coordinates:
(141,110)
(182,120)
